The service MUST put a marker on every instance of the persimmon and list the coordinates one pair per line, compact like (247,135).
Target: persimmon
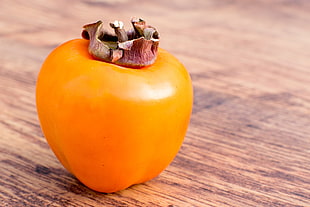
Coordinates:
(114,108)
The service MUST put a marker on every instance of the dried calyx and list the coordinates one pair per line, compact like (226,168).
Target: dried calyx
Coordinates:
(135,48)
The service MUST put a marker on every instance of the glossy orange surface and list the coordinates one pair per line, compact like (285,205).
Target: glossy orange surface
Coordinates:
(112,126)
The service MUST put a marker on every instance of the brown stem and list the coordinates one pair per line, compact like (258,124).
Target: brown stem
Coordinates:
(119,31)
(135,48)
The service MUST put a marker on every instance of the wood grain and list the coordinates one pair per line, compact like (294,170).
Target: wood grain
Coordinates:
(249,139)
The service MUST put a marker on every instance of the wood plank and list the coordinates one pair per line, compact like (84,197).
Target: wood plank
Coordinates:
(248,143)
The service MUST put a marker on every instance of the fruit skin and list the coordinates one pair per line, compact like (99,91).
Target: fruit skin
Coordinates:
(108,125)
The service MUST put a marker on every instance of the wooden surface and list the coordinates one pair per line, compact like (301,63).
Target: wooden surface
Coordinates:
(248,143)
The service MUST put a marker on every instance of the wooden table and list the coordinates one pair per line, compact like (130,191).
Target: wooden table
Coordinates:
(248,143)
